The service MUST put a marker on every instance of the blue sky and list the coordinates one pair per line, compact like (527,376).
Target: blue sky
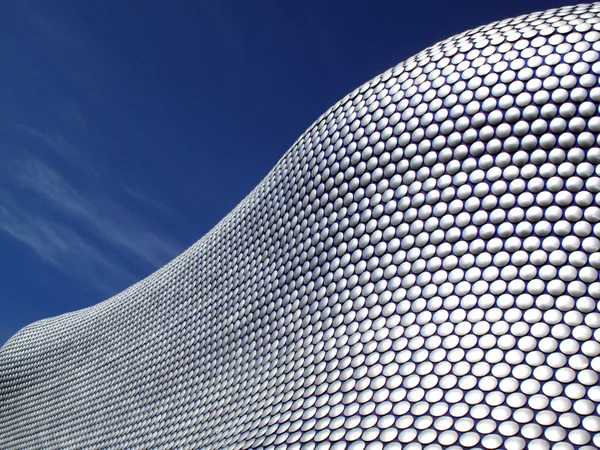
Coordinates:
(129,128)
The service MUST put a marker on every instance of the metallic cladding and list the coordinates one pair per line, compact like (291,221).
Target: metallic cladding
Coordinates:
(419,271)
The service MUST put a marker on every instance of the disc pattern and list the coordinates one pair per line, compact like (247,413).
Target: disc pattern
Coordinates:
(419,271)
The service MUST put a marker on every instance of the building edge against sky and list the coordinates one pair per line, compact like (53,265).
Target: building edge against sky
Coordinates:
(419,271)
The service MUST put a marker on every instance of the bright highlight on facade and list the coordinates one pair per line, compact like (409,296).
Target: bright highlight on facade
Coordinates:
(419,271)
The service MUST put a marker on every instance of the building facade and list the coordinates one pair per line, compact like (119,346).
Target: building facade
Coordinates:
(419,271)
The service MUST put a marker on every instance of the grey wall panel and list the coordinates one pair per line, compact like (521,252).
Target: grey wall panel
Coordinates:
(419,271)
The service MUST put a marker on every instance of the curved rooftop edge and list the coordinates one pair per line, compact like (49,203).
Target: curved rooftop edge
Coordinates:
(419,271)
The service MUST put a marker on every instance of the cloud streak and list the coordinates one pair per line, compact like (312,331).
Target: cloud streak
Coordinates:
(149,202)
(104,218)
(61,247)
(54,141)
(58,145)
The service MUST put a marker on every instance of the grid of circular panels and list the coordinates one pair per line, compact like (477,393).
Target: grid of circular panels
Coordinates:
(419,271)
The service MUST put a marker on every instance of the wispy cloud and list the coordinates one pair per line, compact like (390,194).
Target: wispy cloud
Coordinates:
(33,173)
(70,113)
(54,141)
(37,236)
(147,201)
(102,216)
(60,146)
(61,247)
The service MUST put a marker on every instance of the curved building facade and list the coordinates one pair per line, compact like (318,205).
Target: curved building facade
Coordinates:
(419,271)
